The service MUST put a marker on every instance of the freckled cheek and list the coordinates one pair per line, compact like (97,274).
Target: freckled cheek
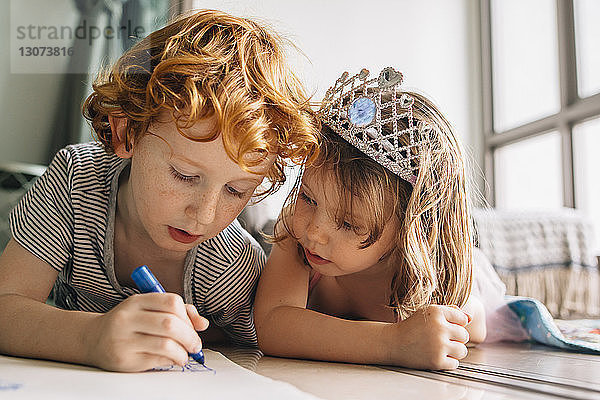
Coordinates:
(173,200)
(163,197)
(299,222)
(227,212)
(232,211)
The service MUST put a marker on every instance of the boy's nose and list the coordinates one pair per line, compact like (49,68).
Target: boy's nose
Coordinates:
(204,208)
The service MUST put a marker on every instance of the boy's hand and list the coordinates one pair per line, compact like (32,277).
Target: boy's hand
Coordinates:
(434,337)
(145,331)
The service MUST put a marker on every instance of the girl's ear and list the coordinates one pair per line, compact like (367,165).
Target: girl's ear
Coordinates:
(118,126)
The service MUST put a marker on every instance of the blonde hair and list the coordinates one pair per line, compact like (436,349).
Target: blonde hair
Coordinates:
(211,64)
(432,249)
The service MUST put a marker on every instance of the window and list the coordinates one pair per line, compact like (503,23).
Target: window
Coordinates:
(586,144)
(524,72)
(587,32)
(541,103)
(518,183)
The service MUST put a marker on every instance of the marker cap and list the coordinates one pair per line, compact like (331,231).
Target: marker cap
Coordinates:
(146,281)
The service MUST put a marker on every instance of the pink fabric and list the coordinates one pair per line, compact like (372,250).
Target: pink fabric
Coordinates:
(501,322)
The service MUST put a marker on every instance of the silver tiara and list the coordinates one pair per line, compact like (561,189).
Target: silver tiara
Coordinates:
(352,108)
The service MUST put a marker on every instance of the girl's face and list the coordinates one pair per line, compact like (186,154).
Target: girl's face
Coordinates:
(182,192)
(330,250)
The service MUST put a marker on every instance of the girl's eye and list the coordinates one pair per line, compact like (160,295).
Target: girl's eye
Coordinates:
(183,178)
(234,192)
(307,199)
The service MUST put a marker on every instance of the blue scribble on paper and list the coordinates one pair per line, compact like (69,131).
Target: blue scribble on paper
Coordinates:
(191,366)
(10,386)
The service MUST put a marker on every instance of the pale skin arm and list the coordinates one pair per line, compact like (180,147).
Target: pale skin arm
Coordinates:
(476,328)
(142,332)
(432,338)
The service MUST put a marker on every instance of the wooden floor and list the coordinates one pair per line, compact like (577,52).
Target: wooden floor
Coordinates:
(495,371)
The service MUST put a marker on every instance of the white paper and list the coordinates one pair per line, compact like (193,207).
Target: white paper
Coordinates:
(22,378)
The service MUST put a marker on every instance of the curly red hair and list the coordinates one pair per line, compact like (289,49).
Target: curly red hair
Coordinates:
(211,64)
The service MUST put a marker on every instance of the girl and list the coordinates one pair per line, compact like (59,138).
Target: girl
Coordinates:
(373,261)
(190,122)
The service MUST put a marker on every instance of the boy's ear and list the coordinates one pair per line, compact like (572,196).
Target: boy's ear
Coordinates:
(118,126)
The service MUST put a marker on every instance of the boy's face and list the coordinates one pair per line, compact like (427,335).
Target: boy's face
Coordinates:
(183,192)
(329,250)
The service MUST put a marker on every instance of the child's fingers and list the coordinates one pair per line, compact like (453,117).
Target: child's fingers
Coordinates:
(162,347)
(469,317)
(451,363)
(456,316)
(459,334)
(200,323)
(457,350)
(164,302)
(167,325)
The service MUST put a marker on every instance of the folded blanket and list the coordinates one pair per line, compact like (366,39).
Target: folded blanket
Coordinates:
(545,255)
(582,336)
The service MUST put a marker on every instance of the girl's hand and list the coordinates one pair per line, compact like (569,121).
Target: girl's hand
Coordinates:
(477,330)
(434,337)
(145,331)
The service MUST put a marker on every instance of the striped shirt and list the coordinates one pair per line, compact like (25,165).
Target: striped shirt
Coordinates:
(67,220)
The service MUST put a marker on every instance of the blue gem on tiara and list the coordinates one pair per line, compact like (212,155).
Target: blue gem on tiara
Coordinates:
(362,111)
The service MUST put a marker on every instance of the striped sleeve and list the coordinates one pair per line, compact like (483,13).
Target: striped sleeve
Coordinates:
(42,221)
(232,294)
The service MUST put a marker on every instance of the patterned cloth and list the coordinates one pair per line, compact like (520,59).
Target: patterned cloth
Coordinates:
(545,255)
(542,328)
(586,330)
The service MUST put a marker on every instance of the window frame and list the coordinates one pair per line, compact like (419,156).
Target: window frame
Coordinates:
(573,109)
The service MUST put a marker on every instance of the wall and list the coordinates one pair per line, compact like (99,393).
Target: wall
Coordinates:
(433,42)
(28,101)
(427,40)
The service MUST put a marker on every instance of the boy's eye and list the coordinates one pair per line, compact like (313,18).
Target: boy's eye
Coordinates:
(181,177)
(348,226)
(307,199)
(231,190)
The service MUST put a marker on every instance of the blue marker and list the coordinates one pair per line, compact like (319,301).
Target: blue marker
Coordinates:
(147,283)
